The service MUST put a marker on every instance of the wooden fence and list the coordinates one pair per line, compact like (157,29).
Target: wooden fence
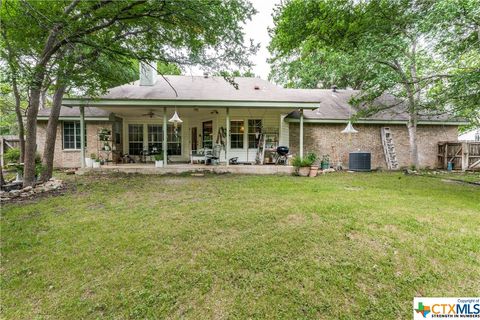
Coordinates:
(7,142)
(463,155)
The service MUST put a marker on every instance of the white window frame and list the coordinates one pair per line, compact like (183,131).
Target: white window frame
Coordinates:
(237,134)
(75,138)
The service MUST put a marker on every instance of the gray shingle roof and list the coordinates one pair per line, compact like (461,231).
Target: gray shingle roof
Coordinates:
(90,112)
(211,88)
(332,105)
(336,106)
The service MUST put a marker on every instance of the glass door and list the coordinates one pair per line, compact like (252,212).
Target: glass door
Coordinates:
(155,138)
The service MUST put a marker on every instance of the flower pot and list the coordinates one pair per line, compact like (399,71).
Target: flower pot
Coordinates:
(303,171)
(88,162)
(96,164)
(313,171)
(158,163)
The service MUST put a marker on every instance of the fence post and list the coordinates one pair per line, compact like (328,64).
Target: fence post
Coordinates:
(465,154)
(445,157)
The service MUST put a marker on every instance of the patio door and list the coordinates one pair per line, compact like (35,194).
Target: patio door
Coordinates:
(207,134)
(194,139)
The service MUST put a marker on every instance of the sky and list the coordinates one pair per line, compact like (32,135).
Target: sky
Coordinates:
(257,29)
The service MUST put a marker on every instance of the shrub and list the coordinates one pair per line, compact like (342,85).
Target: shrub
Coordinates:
(308,161)
(158,157)
(12,155)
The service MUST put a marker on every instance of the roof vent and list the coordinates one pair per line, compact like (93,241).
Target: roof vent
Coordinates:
(334,88)
(256,87)
(205,75)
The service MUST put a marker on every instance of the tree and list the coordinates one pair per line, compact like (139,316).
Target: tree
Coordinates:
(182,32)
(381,47)
(455,32)
(235,73)
(168,69)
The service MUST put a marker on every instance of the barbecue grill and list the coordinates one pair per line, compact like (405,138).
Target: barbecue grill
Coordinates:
(282,153)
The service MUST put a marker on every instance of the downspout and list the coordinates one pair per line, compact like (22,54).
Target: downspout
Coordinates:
(82,137)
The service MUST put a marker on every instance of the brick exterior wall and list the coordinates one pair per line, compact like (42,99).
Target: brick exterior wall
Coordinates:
(70,158)
(320,138)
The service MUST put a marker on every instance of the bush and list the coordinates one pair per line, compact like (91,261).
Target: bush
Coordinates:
(308,161)
(158,157)
(12,156)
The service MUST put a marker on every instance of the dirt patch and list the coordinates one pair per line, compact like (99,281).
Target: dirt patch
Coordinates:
(294,219)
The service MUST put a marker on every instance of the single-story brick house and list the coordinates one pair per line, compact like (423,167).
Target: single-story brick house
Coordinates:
(136,114)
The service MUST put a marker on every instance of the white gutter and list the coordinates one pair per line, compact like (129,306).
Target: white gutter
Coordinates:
(343,121)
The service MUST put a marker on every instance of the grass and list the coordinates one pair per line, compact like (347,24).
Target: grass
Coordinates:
(341,246)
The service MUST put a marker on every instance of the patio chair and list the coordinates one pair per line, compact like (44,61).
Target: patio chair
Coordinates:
(200,155)
(214,158)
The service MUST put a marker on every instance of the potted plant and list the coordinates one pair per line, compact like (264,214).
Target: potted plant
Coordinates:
(104,134)
(325,163)
(302,166)
(95,161)
(312,159)
(89,161)
(158,160)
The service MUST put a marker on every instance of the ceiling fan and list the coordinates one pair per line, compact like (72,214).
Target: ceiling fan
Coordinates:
(150,114)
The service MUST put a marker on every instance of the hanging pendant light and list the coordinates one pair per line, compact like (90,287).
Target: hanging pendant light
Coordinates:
(349,128)
(175,120)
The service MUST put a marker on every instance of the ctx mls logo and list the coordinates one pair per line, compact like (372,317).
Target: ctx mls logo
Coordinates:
(452,308)
(423,310)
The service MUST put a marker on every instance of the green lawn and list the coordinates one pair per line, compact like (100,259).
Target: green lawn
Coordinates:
(340,246)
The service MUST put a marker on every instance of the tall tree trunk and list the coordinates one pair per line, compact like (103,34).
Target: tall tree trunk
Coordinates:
(51,133)
(412,137)
(18,112)
(31,128)
(34,103)
(2,180)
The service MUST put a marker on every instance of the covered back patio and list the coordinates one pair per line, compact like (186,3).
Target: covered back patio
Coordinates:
(242,125)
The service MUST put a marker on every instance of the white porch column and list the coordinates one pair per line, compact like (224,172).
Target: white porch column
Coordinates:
(228,135)
(164,144)
(301,135)
(82,137)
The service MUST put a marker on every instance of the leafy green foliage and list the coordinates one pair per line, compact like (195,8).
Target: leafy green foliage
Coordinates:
(424,53)
(168,69)
(306,161)
(12,155)
(236,73)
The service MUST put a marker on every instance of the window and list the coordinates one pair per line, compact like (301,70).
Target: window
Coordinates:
(135,139)
(155,138)
(207,134)
(254,131)
(237,131)
(71,135)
